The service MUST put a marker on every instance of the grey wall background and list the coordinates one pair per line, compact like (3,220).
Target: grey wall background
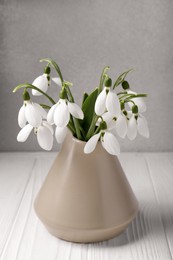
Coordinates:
(83,37)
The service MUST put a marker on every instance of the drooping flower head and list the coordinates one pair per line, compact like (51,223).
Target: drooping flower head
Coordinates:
(108,140)
(107,100)
(59,114)
(30,112)
(137,123)
(44,133)
(42,82)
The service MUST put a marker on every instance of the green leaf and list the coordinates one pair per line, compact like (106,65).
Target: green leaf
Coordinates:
(102,78)
(121,78)
(88,110)
(85,95)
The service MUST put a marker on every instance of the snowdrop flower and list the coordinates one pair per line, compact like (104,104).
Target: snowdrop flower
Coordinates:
(108,141)
(107,100)
(119,123)
(42,83)
(44,134)
(137,123)
(59,114)
(30,112)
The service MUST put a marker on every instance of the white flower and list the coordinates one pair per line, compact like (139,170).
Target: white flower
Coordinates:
(137,125)
(119,123)
(32,113)
(107,100)
(44,134)
(139,101)
(108,140)
(59,114)
(42,83)
(57,81)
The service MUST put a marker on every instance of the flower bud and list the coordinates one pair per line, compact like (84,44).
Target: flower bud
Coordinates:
(125,112)
(63,94)
(134,109)
(103,125)
(122,105)
(25,95)
(47,70)
(125,85)
(108,82)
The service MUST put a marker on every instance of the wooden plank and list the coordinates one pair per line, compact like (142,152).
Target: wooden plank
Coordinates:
(161,173)
(14,177)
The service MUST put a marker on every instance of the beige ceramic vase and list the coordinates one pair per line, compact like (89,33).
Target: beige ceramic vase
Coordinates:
(85,197)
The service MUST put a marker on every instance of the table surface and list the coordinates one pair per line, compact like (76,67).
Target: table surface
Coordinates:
(23,237)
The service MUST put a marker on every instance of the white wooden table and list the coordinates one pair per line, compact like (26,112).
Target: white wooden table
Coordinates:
(23,237)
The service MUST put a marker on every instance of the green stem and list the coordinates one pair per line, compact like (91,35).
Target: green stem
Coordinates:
(71,98)
(71,128)
(26,85)
(83,132)
(45,106)
(77,127)
(126,95)
(122,93)
(131,102)
(97,130)
(92,127)
(55,66)
(135,96)
(75,120)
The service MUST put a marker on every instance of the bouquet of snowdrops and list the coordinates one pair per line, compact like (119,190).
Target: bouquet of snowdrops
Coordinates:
(111,110)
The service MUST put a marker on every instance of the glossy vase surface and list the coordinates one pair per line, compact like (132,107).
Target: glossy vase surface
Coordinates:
(85,197)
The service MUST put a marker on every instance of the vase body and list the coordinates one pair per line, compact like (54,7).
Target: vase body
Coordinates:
(85,197)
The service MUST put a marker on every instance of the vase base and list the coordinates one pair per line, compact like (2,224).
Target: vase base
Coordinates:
(87,235)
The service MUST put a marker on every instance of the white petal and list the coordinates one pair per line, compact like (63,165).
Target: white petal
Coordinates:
(60,134)
(57,81)
(132,128)
(40,82)
(138,101)
(32,115)
(111,144)
(61,114)
(44,138)
(107,117)
(75,110)
(24,133)
(91,144)
(21,117)
(113,104)
(50,114)
(45,123)
(142,127)
(100,104)
(41,110)
(121,125)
